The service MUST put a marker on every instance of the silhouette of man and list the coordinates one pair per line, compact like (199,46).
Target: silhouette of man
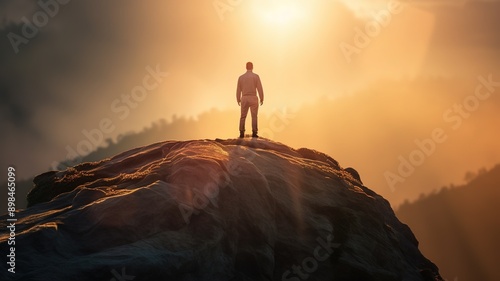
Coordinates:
(246,95)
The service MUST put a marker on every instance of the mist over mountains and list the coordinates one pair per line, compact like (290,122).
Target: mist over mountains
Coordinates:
(400,110)
(413,109)
(458,227)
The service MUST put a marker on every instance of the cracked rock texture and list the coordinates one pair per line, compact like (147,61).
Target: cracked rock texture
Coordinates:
(245,209)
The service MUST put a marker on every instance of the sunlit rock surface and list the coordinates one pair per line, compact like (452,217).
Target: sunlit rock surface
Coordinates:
(248,209)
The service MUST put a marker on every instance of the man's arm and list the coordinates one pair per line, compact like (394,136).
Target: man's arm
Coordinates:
(260,90)
(238,91)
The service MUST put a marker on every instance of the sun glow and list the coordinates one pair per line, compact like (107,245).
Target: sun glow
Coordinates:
(281,13)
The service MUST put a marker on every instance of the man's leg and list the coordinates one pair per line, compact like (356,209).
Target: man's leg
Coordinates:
(244,111)
(254,110)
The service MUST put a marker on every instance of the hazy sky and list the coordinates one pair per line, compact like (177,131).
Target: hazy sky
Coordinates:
(77,71)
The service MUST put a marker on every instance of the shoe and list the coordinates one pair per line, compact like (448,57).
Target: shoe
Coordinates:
(254,135)
(242,135)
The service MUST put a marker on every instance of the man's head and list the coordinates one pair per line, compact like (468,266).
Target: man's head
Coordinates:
(249,66)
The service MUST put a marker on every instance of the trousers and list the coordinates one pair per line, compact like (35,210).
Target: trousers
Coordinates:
(252,103)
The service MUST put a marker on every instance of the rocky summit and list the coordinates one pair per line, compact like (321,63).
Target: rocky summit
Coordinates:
(238,209)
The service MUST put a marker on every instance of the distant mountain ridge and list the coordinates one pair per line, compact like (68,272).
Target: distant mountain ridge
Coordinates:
(459,227)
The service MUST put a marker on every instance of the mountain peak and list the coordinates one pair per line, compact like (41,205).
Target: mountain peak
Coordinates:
(237,209)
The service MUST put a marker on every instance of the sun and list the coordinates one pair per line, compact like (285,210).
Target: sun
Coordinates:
(280,13)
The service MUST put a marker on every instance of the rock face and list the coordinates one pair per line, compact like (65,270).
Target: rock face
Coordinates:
(248,209)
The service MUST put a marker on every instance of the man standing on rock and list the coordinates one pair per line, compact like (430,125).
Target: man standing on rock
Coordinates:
(246,96)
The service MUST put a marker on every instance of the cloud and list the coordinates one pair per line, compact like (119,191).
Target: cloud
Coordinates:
(14,10)
(473,25)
